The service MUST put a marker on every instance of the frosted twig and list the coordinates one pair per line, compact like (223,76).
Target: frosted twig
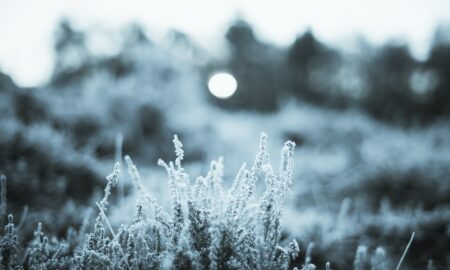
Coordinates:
(406,251)
(23,217)
(106,220)
(3,195)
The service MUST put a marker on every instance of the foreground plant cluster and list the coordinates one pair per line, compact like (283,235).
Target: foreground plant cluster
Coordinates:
(207,229)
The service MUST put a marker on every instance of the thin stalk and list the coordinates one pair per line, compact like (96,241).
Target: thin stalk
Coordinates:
(406,251)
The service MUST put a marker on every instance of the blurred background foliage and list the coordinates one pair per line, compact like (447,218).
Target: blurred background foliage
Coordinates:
(387,81)
(372,125)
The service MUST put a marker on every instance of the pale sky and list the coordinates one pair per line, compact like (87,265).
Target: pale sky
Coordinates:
(26,26)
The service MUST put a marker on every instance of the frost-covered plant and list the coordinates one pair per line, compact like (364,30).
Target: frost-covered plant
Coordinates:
(9,246)
(206,228)
(47,254)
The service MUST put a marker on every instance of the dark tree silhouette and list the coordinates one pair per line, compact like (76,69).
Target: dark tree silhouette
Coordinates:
(389,95)
(70,54)
(439,62)
(307,56)
(257,68)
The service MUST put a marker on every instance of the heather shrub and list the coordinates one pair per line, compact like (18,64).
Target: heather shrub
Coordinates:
(207,227)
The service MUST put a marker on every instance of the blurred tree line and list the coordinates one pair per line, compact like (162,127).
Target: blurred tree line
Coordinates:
(387,82)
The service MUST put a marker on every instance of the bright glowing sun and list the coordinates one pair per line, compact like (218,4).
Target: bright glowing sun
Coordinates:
(222,85)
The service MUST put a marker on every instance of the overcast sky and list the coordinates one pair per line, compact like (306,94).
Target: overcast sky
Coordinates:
(26,26)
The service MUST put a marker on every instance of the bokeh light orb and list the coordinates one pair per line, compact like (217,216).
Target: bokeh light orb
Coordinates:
(222,85)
